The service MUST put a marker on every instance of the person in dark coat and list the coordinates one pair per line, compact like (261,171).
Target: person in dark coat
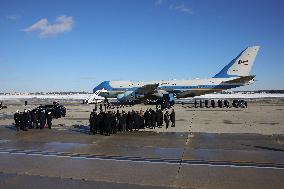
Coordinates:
(42,118)
(105,105)
(206,102)
(129,121)
(93,122)
(17,118)
(49,119)
(173,118)
(213,103)
(108,122)
(122,121)
(141,120)
(220,103)
(113,123)
(167,119)
(157,118)
(118,121)
(30,124)
(34,118)
(25,119)
(153,119)
(101,122)
(226,104)
(200,103)
(135,120)
(195,103)
(146,118)
(161,118)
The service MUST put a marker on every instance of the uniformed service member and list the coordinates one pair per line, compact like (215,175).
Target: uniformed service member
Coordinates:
(167,119)
(173,118)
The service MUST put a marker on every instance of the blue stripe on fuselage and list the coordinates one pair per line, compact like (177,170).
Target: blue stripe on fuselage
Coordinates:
(106,85)
(181,88)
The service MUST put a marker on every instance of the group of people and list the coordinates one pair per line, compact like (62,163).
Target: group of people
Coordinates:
(32,119)
(111,122)
(220,103)
(39,117)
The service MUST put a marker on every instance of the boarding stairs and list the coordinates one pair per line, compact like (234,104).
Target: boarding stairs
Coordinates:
(96,98)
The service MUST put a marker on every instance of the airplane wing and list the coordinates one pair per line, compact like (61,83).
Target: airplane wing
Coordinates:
(147,89)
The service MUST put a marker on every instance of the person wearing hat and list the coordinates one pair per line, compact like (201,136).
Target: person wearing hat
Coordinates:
(167,118)
(49,119)
(42,119)
(25,119)
(17,119)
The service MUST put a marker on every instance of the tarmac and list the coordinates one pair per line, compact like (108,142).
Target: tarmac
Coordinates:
(208,148)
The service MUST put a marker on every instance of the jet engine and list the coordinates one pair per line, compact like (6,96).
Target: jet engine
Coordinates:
(127,96)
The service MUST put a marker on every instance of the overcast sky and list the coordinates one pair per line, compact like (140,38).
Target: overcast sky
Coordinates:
(74,45)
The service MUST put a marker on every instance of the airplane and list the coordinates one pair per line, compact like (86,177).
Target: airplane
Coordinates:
(235,74)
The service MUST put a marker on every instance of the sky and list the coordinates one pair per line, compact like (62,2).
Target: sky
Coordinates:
(68,45)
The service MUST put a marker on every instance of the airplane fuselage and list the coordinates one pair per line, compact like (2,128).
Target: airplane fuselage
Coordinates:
(181,88)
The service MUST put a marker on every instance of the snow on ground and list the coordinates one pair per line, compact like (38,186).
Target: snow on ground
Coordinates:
(242,95)
(86,96)
(47,96)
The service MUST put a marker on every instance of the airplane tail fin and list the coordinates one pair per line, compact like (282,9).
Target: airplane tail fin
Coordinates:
(241,65)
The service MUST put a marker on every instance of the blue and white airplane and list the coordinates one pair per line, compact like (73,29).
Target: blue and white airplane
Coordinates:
(235,74)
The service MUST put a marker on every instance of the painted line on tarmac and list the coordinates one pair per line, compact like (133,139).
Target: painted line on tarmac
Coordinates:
(194,162)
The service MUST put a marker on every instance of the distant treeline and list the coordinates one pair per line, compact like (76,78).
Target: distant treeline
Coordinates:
(83,92)
(48,93)
(271,91)
(262,91)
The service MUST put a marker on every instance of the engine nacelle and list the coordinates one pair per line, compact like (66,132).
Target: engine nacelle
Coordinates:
(127,96)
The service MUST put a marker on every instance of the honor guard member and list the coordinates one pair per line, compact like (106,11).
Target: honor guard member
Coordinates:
(146,118)
(34,115)
(167,119)
(25,120)
(200,103)
(206,103)
(213,103)
(49,119)
(30,124)
(108,121)
(173,118)
(129,121)
(42,119)
(219,103)
(195,103)
(226,104)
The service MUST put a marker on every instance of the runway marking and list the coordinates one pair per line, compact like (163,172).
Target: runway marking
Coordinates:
(194,162)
